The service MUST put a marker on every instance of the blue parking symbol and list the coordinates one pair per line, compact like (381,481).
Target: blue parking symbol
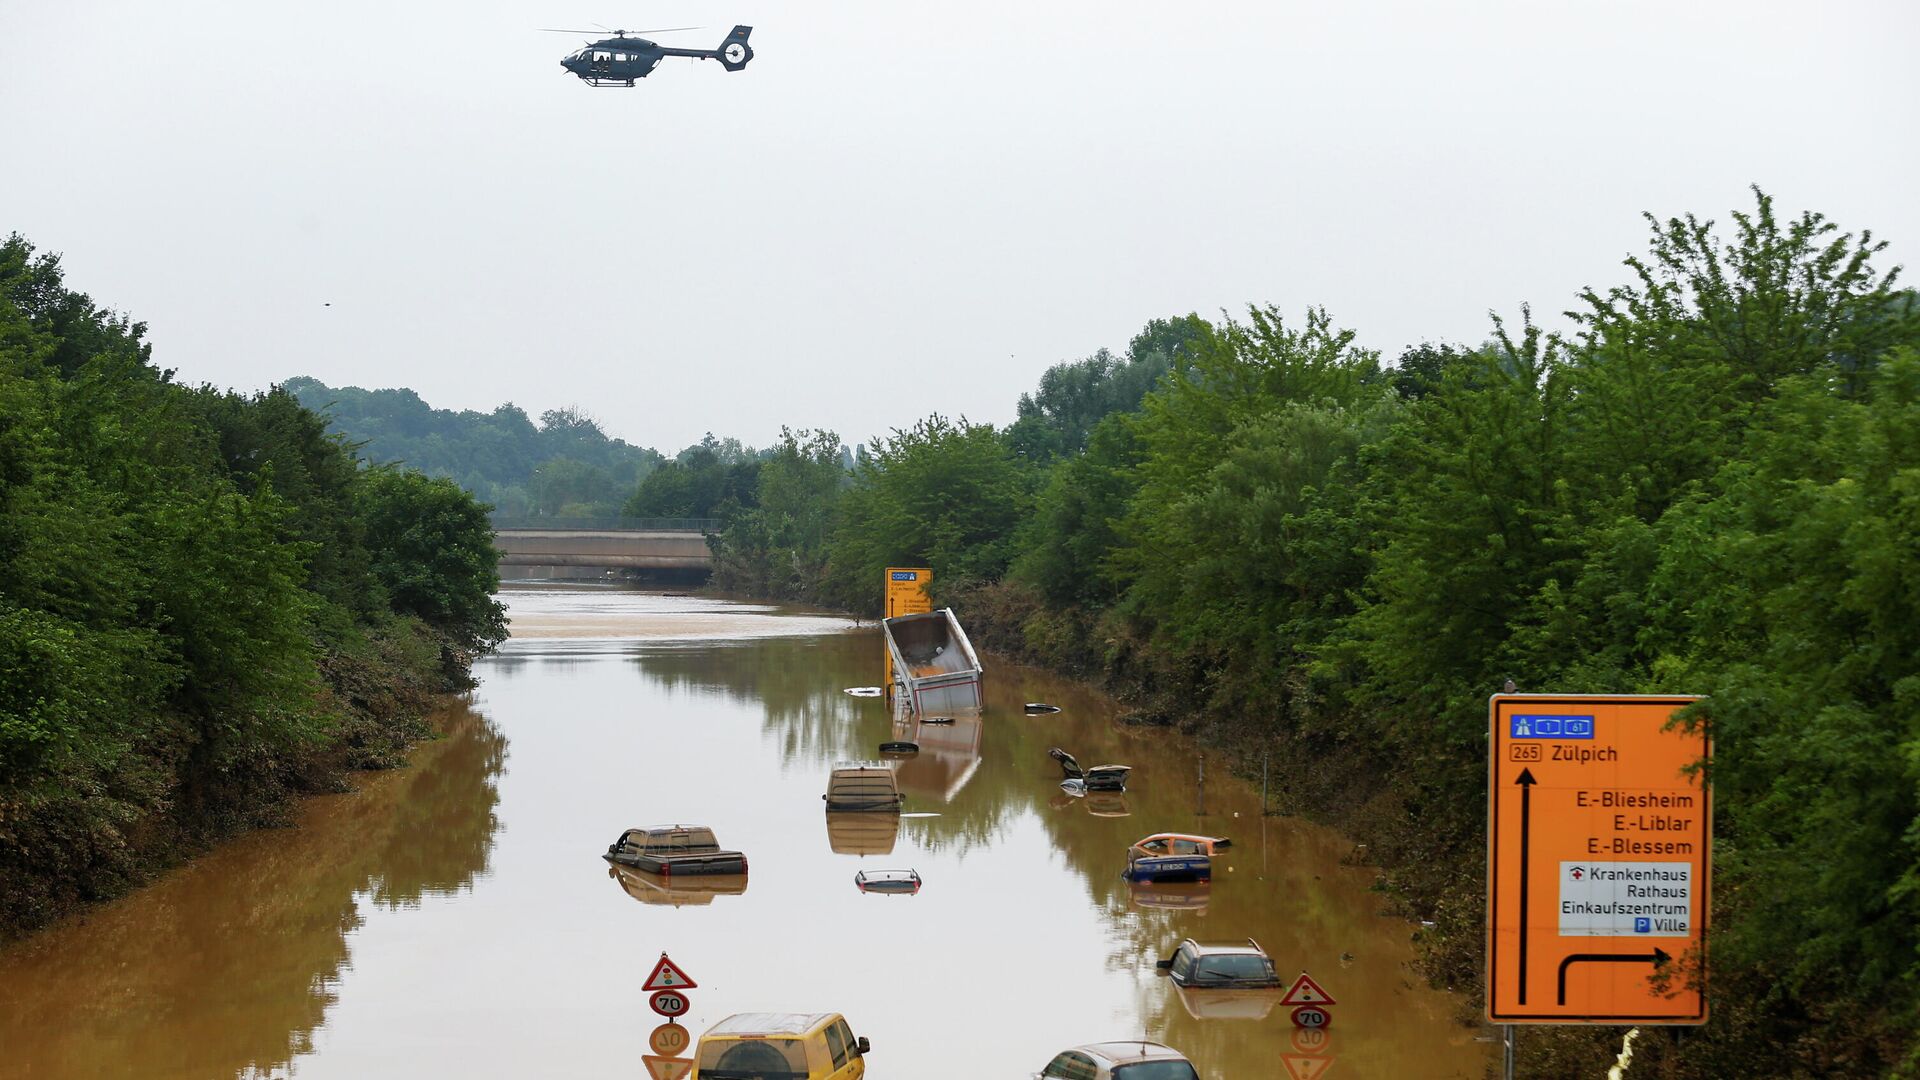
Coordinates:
(1642,925)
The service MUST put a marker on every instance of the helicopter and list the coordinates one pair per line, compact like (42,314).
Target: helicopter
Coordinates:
(624,58)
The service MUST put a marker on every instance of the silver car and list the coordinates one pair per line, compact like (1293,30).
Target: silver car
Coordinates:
(1131,1060)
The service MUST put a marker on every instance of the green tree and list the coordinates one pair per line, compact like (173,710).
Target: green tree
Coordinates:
(1239,373)
(777,547)
(432,549)
(944,493)
(712,478)
(1065,547)
(1789,592)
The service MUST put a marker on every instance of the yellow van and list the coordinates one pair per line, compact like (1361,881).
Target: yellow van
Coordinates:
(781,1046)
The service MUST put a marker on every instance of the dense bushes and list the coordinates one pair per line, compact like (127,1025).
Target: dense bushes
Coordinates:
(205,601)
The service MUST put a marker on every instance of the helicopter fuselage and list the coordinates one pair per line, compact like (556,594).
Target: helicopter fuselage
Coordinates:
(621,60)
(615,61)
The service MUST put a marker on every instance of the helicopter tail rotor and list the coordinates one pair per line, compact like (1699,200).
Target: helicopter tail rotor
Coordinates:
(734,52)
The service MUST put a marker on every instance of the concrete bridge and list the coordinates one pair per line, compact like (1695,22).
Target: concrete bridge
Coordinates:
(671,544)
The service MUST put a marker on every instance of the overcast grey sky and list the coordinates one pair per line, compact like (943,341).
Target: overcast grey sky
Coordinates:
(896,208)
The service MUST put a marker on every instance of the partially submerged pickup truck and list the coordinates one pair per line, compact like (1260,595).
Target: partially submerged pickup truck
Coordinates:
(674,849)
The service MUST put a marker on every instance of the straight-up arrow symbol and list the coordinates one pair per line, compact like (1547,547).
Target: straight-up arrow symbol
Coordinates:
(1657,958)
(1526,782)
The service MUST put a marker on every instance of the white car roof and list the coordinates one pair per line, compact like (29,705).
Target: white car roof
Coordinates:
(1133,1050)
(769,1023)
(1243,947)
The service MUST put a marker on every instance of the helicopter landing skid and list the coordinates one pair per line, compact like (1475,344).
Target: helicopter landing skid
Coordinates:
(608,82)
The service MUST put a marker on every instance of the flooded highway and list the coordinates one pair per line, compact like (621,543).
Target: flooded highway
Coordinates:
(455,918)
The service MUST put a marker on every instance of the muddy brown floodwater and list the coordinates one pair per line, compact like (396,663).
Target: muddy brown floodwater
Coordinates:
(455,918)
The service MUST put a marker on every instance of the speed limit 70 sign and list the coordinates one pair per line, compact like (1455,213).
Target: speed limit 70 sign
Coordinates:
(1311,1016)
(669,1002)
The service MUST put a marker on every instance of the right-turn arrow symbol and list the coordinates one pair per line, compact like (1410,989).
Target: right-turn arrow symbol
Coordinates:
(1658,957)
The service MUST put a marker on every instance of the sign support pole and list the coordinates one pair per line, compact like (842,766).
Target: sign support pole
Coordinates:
(1506,1051)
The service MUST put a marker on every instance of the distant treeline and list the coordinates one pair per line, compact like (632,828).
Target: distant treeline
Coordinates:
(564,466)
(207,603)
(1255,528)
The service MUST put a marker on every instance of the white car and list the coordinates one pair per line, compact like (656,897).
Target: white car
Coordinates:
(1134,1059)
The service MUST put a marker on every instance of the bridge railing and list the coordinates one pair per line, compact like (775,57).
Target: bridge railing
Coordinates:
(611,524)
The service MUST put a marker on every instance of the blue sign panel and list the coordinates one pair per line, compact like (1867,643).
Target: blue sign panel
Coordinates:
(1537,726)
(906,575)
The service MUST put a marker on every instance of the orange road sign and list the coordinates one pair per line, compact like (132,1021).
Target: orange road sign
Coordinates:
(668,976)
(1305,991)
(669,1039)
(907,590)
(660,1068)
(906,594)
(1599,860)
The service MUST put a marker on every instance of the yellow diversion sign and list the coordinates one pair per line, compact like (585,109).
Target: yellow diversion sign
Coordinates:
(906,594)
(1599,855)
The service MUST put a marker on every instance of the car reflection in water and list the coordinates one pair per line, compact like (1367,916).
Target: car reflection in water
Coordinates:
(852,832)
(1205,1004)
(651,888)
(1173,896)
(1098,803)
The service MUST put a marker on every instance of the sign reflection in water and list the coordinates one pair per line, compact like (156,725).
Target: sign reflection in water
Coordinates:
(454,917)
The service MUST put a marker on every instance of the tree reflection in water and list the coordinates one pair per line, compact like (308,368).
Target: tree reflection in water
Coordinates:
(1283,883)
(228,966)
(800,684)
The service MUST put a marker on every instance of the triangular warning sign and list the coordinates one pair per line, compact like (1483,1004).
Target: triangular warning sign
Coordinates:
(1301,1067)
(660,1068)
(668,976)
(1305,991)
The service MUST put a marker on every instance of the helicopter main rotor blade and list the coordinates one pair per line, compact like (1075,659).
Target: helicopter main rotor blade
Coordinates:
(619,33)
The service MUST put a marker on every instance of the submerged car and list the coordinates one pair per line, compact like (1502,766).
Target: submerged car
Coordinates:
(674,849)
(1173,857)
(887,881)
(1135,1059)
(1221,965)
(863,786)
(1097,778)
(781,1046)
